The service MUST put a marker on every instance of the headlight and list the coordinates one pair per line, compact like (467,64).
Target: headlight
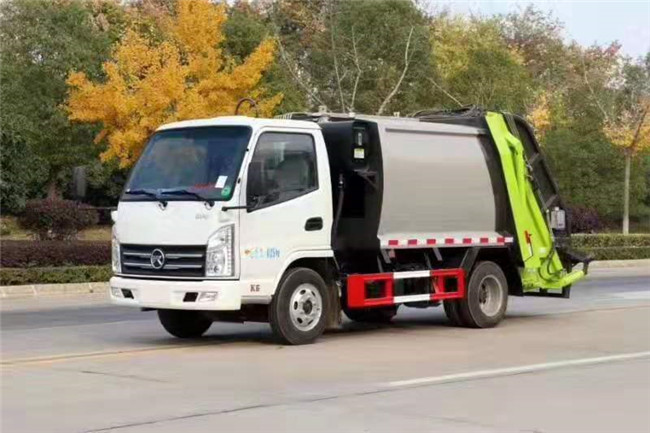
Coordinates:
(115,253)
(219,257)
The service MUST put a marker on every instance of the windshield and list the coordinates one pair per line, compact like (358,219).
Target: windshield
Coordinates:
(189,164)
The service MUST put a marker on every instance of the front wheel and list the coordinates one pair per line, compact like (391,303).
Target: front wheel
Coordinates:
(486,300)
(184,323)
(299,310)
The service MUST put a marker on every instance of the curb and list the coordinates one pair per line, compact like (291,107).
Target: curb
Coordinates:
(618,264)
(51,290)
(100,288)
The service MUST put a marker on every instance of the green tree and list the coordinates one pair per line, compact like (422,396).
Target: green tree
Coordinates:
(247,26)
(20,171)
(40,41)
(588,169)
(365,56)
(536,36)
(476,66)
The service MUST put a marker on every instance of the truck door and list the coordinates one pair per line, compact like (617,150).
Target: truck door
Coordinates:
(288,193)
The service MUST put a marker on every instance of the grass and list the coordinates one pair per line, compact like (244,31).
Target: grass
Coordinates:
(10,230)
(99,233)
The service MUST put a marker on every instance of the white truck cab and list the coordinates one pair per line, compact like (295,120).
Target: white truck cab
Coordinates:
(292,221)
(236,201)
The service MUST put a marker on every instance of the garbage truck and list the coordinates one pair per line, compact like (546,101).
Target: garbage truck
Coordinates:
(298,220)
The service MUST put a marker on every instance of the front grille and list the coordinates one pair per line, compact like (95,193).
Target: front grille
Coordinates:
(180,260)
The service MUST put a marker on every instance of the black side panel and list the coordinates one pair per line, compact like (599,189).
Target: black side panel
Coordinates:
(355,155)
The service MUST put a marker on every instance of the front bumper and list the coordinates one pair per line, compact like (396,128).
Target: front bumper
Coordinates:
(170,294)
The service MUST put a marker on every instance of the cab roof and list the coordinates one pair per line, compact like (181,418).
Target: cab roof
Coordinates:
(253,122)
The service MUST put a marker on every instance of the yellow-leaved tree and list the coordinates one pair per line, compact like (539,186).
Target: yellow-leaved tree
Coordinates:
(540,115)
(630,132)
(186,75)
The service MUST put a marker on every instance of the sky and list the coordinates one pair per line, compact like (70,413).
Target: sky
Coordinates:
(586,21)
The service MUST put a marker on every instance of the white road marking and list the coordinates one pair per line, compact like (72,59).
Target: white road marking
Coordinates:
(510,371)
(633,296)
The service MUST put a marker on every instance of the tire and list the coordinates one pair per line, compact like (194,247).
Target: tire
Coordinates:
(486,300)
(184,323)
(371,315)
(300,307)
(452,310)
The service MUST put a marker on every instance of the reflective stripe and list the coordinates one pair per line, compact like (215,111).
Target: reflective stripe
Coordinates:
(411,298)
(411,274)
(455,241)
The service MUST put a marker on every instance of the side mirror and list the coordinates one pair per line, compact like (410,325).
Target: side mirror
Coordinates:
(254,184)
(79,182)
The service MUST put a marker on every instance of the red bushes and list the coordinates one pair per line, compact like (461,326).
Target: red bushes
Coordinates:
(57,219)
(23,254)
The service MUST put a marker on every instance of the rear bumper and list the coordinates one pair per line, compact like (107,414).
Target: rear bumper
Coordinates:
(169,294)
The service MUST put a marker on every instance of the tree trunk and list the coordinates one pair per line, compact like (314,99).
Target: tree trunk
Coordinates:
(53,190)
(626,195)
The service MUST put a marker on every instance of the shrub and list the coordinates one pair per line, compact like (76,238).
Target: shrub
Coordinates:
(25,254)
(57,219)
(584,220)
(78,274)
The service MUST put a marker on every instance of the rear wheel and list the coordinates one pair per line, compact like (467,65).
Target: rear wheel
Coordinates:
(299,310)
(452,310)
(372,315)
(486,300)
(183,323)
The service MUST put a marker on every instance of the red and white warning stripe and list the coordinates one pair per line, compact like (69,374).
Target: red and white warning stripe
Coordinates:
(485,241)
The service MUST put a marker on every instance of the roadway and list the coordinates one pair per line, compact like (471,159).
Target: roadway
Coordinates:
(554,365)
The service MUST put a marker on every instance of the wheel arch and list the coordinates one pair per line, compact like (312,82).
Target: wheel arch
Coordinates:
(325,266)
(506,261)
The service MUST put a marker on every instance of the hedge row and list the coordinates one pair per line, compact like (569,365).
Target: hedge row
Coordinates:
(618,253)
(77,274)
(610,240)
(27,254)
(613,246)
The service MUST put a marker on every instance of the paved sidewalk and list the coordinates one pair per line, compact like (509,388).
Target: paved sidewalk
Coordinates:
(46,290)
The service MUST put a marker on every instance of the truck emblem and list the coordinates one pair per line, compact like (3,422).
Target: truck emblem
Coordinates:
(157,259)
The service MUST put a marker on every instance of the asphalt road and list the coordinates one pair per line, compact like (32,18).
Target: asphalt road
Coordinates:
(554,365)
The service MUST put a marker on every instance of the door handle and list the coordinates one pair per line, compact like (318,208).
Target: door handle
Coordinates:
(314,224)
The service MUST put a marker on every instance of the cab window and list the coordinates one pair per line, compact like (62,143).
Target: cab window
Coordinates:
(283,167)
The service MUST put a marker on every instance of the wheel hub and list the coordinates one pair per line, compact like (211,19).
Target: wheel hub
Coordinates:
(306,307)
(490,295)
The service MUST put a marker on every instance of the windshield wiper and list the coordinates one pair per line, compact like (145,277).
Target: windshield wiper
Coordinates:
(142,192)
(183,191)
